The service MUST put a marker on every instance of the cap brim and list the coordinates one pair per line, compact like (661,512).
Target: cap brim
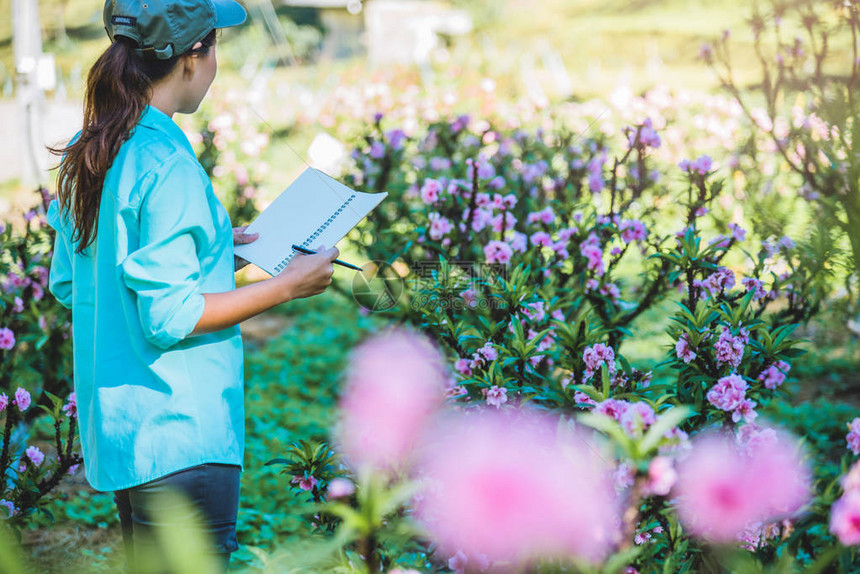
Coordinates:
(228,13)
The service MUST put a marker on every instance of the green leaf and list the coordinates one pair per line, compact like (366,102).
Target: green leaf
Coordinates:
(666,421)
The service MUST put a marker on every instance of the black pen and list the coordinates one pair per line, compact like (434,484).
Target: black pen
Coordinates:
(338,261)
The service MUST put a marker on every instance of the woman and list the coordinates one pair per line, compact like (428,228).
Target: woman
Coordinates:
(144,258)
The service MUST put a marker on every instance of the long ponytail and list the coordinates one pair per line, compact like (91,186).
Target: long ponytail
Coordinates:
(119,87)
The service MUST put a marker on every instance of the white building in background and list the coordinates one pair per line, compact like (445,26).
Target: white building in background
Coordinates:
(388,31)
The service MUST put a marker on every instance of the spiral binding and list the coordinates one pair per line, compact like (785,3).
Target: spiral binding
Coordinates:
(306,243)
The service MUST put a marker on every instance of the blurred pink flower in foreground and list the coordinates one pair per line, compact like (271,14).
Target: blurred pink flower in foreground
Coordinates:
(394,383)
(845,513)
(722,489)
(504,486)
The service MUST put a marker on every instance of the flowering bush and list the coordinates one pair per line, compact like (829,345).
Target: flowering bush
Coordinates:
(540,254)
(35,368)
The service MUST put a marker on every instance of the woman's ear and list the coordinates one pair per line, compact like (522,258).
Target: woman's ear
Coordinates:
(189,65)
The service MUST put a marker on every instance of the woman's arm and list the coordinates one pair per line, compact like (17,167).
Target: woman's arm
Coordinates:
(305,276)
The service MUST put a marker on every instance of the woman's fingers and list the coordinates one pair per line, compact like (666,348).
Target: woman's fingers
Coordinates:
(240,237)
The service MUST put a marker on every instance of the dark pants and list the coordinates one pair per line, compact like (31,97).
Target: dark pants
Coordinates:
(213,493)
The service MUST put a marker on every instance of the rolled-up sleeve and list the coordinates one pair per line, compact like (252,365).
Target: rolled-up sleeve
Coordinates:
(60,277)
(164,271)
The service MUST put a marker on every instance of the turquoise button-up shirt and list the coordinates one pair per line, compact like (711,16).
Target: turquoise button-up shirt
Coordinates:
(151,399)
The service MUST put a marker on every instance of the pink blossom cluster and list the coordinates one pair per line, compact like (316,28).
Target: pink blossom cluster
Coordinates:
(498,252)
(36,456)
(701,165)
(22,400)
(845,512)
(683,350)
(729,394)
(633,230)
(7,338)
(722,489)
(730,348)
(595,172)
(774,375)
(591,250)
(430,191)
(853,436)
(439,226)
(720,280)
(738,232)
(545,215)
(596,356)
(755,285)
(661,476)
(496,396)
(648,136)
(395,383)
(307,482)
(11,509)
(503,486)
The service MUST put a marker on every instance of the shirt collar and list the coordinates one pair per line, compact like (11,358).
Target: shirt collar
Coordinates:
(155,119)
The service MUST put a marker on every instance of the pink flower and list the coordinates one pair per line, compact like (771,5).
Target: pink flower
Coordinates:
(541,238)
(633,230)
(7,338)
(745,411)
(613,408)
(488,352)
(755,285)
(581,397)
(853,436)
(35,455)
(340,488)
(722,279)
(502,484)
(738,233)
(637,418)
(305,482)
(683,349)
(545,215)
(701,165)
(519,242)
(535,311)
(377,150)
(729,393)
(73,469)
(430,191)
(721,489)
(730,348)
(395,382)
(439,226)
(10,507)
(596,356)
(496,396)
(4,402)
(845,518)
(22,399)
(661,476)
(71,407)
(773,376)
(498,252)
(462,367)
(594,254)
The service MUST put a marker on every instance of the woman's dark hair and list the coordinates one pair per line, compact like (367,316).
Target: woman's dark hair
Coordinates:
(118,90)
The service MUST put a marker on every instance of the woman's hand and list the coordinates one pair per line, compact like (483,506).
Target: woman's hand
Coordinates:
(240,238)
(308,275)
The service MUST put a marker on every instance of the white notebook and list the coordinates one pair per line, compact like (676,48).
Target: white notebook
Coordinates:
(315,209)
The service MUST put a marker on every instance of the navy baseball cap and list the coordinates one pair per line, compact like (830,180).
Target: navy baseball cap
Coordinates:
(168,28)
